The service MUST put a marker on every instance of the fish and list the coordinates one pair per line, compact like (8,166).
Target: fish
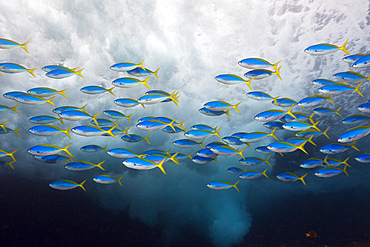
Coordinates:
(9,44)
(168,129)
(142,119)
(299,126)
(259,95)
(157,158)
(33,99)
(354,134)
(5,153)
(257,63)
(107,179)
(214,144)
(123,153)
(257,136)
(314,100)
(154,124)
(353,58)
(5,108)
(328,172)
(222,185)
(206,153)
(327,112)
(236,170)
(220,106)
(356,119)
(8,130)
(363,158)
(54,158)
(46,92)
(126,66)
(338,89)
(208,112)
(96,90)
(48,149)
(227,151)
(83,166)
(93,148)
(181,156)
(273,114)
(203,127)
(323,82)
(254,161)
(312,163)
(69,108)
(187,143)
(143,72)
(127,102)
(253,174)
(310,132)
(299,140)
(324,48)
(66,185)
(63,73)
(75,115)
(7,163)
(284,102)
(232,140)
(203,160)
(335,148)
(154,98)
(143,164)
(299,117)
(115,131)
(335,162)
(312,234)
(102,122)
(263,150)
(364,107)
(231,79)
(15,68)
(135,138)
(258,74)
(49,68)
(362,62)
(350,76)
(11,95)
(48,130)
(289,177)
(285,147)
(86,130)
(128,82)
(202,134)
(117,115)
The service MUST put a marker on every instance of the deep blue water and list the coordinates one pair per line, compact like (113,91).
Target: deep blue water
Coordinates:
(35,215)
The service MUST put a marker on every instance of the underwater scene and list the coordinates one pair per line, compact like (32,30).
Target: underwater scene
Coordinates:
(185,123)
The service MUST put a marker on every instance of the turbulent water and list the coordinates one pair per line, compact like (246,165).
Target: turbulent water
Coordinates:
(192,42)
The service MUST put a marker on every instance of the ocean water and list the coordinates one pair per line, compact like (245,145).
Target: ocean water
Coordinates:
(192,43)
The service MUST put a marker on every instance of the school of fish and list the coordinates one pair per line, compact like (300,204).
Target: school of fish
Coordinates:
(303,126)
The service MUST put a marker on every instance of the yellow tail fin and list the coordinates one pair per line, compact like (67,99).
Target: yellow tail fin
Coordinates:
(81,185)
(145,82)
(49,100)
(155,73)
(343,48)
(79,72)
(13,108)
(31,71)
(62,92)
(110,90)
(24,46)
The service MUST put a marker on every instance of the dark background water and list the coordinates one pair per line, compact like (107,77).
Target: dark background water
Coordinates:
(32,214)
